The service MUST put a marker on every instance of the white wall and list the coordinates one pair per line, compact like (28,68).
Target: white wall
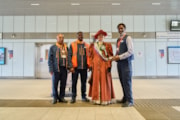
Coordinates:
(1,25)
(62,24)
(18,23)
(18,62)
(147,57)
(8,25)
(139,56)
(40,24)
(29,59)
(30,23)
(95,23)
(149,23)
(83,23)
(51,24)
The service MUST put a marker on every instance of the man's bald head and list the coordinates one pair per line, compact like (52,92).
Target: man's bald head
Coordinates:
(60,35)
(60,38)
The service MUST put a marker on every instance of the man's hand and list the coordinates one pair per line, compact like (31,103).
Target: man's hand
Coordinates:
(115,58)
(72,70)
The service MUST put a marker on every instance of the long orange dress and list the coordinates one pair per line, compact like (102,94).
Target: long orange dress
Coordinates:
(101,90)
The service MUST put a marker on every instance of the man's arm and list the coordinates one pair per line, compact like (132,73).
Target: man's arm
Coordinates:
(91,56)
(50,60)
(70,57)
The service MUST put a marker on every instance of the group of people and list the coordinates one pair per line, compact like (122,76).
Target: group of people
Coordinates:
(79,58)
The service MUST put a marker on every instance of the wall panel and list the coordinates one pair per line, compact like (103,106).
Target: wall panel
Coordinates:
(178,17)
(51,24)
(29,59)
(149,23)
(1,23)
(94,23)
(139,23)
(18,23)
(40,23)
(62,24)
(106,23)
(30,23)
(150,54)
(160,23)
(139,59)
(8,25)
(73,25)
(83,23)
(18,63)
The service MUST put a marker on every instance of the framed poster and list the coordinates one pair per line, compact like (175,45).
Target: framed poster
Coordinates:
(2,55)
(173,54)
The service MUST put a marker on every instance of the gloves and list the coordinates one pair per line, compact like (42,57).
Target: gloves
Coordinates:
(109,70)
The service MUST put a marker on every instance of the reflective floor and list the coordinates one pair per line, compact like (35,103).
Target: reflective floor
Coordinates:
(155,99)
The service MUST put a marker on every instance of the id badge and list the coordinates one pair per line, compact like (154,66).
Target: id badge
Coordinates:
(63,54)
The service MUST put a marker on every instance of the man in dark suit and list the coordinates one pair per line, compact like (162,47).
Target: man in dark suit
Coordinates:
(124,56)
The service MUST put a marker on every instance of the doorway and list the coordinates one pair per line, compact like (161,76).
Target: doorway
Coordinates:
(42,69)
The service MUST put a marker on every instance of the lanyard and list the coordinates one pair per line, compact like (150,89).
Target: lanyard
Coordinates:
(120,39)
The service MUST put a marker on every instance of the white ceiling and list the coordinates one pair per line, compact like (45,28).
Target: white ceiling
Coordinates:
(89,7)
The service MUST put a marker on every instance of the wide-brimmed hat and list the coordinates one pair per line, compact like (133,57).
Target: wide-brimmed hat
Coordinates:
(100,32)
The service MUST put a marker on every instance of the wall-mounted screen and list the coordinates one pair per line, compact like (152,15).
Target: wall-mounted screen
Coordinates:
(2,55)
(175,25)
(173,54)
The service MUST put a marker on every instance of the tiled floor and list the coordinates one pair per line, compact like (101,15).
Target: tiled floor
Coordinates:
(177,108)
(40,89)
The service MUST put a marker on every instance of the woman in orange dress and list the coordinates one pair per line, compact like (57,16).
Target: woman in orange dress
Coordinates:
(101,87)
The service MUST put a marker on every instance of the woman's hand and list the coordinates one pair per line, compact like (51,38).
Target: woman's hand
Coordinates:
(115,58)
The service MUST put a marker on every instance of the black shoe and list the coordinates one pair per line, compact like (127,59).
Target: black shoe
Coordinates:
(73,100)
(63,100)
(54,101)
(127,104)
(85,99)
(121,101)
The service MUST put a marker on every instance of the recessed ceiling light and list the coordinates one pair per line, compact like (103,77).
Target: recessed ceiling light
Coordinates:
(35,4)
(75,3)
(115,3)
(156,3)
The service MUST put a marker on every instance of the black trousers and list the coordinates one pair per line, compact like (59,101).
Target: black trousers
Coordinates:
(83,74)
(125,75)
(60,77)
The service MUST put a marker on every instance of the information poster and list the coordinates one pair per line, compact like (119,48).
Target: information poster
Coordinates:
(173,54)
